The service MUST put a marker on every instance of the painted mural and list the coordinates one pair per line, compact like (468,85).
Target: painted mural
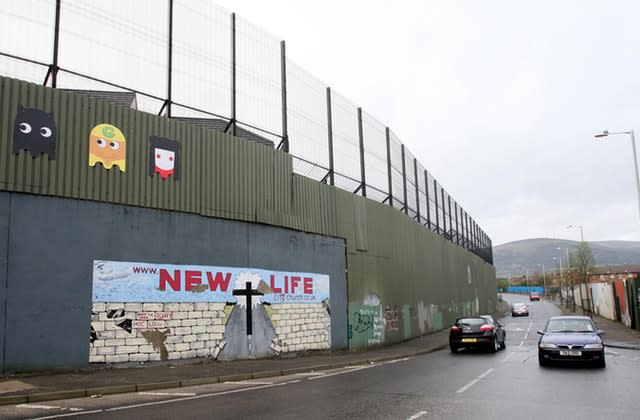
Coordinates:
(145,312)
(108,146)
(35,131)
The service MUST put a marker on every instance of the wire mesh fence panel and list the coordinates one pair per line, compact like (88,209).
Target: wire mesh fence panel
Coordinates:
(397,183)
(26,30)
(125,44)
(412,204)
(307,122)
(346,148)
(422,195)
(258,78)
(201,70)
(375,158)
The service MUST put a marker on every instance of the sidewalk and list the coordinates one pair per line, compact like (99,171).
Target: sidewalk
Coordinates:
(26,388)
(102,380)
(616,334)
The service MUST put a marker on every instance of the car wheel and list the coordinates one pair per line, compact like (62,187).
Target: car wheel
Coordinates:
(496,344)
(503,344)
(454,349)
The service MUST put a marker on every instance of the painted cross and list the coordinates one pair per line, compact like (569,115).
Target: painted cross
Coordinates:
(248,292)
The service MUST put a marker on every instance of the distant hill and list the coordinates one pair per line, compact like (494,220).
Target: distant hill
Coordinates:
(515,258)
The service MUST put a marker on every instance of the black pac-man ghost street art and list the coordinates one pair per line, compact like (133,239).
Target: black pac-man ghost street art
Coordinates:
(108,146)
(34,130)
(164,157)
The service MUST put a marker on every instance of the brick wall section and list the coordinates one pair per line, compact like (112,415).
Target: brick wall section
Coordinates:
(195,329)
(302,327)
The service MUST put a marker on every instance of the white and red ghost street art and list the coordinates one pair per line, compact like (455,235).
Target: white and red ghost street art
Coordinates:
(164,157)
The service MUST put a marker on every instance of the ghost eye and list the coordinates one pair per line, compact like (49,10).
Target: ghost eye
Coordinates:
(101,142)
(24,128)
(170,158)
(45,132)
(114,145)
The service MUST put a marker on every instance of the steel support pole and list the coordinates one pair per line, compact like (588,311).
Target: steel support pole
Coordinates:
(444,212)
(233,74)
(404,183)
(415,177)
(283,82)
(455,210)
(389,167)
(56,47)
(426,192)
(435,189)
(330,137)
(170,60)
(363,178)
(450,218)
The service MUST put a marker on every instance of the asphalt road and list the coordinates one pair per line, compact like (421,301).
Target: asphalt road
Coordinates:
(477,385)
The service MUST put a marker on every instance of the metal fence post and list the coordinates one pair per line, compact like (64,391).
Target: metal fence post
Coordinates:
(415,177)
(435,188)
(232,123)
(363,178)
(444,212)
(53,69)
(330,137)
(455,210)
(426,193)
(450,218)
(404,183)
(389,168)
(283,67)
(170,63)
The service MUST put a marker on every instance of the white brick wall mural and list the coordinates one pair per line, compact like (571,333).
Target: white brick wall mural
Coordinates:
(149,312)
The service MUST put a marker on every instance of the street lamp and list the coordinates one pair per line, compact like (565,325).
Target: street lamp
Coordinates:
(581,234)
(561,280)
(606,133)
(544,279)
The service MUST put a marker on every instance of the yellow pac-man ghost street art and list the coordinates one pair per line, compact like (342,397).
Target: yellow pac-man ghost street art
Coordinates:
(108,146)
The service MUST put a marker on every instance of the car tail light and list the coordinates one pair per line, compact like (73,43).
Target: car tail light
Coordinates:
(455,329)
(486,327)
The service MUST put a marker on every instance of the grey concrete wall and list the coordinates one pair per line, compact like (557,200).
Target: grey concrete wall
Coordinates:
(4,229)
(52,243)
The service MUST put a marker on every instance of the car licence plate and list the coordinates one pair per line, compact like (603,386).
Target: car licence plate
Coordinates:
(469,340)
(570,353)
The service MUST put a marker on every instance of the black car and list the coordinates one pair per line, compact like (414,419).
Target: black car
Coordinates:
(477,332)
(571,339)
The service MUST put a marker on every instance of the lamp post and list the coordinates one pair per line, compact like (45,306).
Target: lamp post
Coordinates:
(544,279)
(607,133)
(581,234)
(561,280)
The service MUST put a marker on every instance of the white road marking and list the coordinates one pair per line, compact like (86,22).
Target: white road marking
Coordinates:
(349,370)
(44,407)
(417,415)
(526,334)
(472,383)
(246,383)
(57,416)
(169,394)
(396,360)
(310,374)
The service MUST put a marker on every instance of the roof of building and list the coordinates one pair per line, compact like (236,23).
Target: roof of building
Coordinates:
(127,99)
(219,124)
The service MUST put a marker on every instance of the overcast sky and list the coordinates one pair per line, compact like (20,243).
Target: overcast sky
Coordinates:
(499,100)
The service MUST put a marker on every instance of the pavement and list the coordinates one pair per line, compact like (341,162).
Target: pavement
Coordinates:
(28,387)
